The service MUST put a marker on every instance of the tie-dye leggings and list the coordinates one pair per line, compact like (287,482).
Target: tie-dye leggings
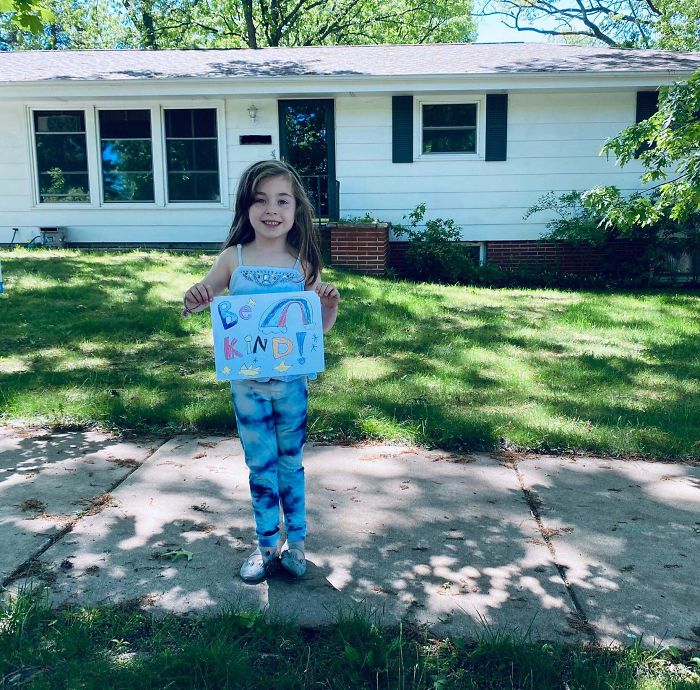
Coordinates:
(271,418)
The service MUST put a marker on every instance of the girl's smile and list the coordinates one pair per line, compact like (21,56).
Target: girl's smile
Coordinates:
(273,210)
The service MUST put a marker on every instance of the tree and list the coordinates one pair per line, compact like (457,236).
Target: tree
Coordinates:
(668,24)
(679,25)
(668,145)
(70,24)
(157,24)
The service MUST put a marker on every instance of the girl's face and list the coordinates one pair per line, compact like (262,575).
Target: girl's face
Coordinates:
(272,211)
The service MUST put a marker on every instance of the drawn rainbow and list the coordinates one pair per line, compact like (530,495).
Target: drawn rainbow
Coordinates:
(275,318)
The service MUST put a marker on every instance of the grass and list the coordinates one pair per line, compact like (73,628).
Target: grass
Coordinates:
(116,648)
(97,339)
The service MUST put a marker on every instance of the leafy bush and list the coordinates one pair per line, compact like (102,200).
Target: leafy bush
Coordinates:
(434,251)
(574,221)
(435,254)
(366,217)
(580,220)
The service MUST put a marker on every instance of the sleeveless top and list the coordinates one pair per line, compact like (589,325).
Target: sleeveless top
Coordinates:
(251,280)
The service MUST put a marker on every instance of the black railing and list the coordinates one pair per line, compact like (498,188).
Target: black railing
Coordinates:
(324,194)
(317,189)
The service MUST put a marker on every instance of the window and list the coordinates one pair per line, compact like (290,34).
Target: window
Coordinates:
(192,154)
(449,128)
(127,155)
(140,156)
(61,155)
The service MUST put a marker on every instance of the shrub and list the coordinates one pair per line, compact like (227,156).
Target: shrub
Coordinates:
(579,221)
(434,250)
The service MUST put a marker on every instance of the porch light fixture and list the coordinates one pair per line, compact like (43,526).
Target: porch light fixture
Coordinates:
(253,113)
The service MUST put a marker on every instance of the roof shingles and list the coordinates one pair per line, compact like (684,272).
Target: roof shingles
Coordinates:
(360,61)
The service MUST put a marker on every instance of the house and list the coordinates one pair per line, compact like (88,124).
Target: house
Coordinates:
(133,148)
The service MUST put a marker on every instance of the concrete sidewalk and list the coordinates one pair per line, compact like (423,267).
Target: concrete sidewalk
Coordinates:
(574,549)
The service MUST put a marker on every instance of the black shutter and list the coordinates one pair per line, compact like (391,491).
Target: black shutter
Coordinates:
(496,126)
(402,129)
(647,104)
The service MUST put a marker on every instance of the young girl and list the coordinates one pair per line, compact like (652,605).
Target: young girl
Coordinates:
(272,247)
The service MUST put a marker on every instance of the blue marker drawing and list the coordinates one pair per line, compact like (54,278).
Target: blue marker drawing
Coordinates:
(300,342)
(228,318)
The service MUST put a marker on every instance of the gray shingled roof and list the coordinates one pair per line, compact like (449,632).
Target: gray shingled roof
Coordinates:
(385,60)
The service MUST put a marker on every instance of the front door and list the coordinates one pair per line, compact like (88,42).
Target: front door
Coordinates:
(307,142)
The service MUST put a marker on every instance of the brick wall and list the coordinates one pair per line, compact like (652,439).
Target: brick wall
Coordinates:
(562,256)
(397,254)
(567,258)
(362,248)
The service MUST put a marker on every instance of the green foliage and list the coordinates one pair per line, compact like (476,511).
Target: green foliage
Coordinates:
(573,220)
(370,653)
(678,24)
(25,15)
(667,144)
(74,24)
(434,252)
(159,24)
(58,190)
(577,220)
(364,218)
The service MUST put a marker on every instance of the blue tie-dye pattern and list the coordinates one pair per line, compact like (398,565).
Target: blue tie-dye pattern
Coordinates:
(271,420)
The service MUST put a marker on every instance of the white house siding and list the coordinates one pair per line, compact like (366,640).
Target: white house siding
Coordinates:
(237,124)
(147,223)
(553,145)
(111,223)
(15,170)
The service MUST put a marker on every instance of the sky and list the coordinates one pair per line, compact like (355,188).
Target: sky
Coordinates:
(492,30)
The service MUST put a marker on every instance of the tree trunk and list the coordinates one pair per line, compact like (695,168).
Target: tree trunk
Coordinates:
(251,38)
(149,31)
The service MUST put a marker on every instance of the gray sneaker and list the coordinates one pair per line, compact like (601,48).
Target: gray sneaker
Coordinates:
(293,560)
(258,566)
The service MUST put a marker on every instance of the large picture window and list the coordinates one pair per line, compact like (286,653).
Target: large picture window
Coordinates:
(61,155)
(192,154)
(449,128)
(127,155)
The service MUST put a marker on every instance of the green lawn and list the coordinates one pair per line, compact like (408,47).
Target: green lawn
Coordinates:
(97,338)
(115,648)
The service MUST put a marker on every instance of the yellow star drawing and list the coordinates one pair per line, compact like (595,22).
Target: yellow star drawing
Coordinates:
(282,367)
(226,371)
(251,301)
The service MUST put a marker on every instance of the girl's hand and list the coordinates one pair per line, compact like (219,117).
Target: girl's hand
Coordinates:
(329,295)
(197,298)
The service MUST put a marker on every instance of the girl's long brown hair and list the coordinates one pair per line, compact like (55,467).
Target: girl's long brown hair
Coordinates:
(303,236)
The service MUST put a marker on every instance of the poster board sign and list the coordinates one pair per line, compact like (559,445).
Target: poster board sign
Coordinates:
(267,335)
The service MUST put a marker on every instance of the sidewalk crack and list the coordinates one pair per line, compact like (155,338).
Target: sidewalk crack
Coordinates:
(32,565)
(580,619)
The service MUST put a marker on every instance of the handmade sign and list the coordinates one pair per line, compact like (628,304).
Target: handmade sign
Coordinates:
(267,335)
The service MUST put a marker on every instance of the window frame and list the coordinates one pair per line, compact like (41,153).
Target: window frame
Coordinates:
(158,147)
(220,150)
(92,155)
(456,99)
(155,130)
